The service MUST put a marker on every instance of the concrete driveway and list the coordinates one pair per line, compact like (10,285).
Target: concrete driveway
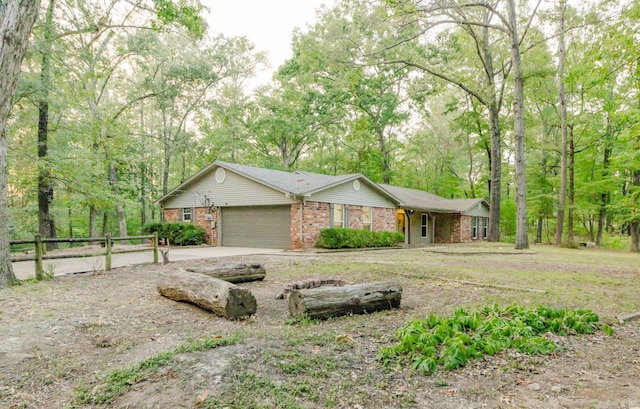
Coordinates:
(26,269)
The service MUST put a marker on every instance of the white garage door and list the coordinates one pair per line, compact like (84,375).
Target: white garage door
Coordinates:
(256,226)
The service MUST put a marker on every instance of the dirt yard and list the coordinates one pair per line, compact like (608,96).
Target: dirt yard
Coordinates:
(110,340)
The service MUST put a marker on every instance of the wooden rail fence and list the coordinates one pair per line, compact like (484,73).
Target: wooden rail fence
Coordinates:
(40,249)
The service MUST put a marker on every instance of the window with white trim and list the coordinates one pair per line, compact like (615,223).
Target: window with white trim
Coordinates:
(187,214)
(474,227)
(367,218)
(485,227)
(424,225)
(337,220)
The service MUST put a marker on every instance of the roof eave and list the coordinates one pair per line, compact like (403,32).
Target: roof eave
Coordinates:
(260,181)
(187,182)
(429,209)
(480,200)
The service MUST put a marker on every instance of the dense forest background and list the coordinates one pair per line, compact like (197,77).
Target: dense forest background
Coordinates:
(537,101)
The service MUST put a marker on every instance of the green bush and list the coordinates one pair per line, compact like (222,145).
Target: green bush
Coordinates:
(352,238)
(178,234)
(450,342)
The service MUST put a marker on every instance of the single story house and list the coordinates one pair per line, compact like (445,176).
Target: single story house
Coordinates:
(426,218)
(246,206)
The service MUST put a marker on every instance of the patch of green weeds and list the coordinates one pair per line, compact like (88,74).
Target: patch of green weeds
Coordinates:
(450,342)
(301,320)
(203,344)
(245,390)
(119,381)
(314,365)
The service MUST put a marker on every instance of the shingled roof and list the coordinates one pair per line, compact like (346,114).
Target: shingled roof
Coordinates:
(296,183)
(421,200)
(301,183)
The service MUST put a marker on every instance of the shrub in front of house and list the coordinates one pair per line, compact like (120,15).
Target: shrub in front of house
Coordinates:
(178,234)
(353,238)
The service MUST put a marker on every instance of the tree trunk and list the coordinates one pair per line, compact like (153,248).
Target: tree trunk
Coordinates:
(634,225)
(325,302)
(495,186)
(7,277)
(540,225)
(495,154)
(167,153)
(542,212)
(70,215)
(562,194)
(605,196)
(220,297)
(143,175)
(572,190)
(522,233)
(386,162)
(16,21)
(46,225)
(105,223)
(233,273)
(93,224)
(122,221)
(472,185)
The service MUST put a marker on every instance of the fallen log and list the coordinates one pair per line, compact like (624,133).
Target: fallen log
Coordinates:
(325,302)
(233,273)
(628,317)
(220,297)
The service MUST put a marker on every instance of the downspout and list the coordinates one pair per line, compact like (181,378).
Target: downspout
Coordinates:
(302,203)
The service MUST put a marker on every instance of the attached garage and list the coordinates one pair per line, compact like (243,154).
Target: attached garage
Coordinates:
(256,226)
(246,206)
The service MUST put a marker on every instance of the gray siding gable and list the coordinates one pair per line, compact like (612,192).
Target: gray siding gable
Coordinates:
(345,194)
(479,210)
(236,190)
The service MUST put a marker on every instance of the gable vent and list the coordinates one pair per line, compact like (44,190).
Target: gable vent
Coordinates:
(220,175)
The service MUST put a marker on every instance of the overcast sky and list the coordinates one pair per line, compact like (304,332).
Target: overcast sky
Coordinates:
(269,24)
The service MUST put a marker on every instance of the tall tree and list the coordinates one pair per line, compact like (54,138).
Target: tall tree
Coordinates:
(522,231)
(366,94)
(562,194)
(478,19)
(16,21)
(46,224)
(487,87)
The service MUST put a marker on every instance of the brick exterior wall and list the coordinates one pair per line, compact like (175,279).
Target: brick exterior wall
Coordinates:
(211,234)
(172,215)
(355,216)
(447,228)
(316,216)
(384,219)
(461,228)
(466,233)
(455,229)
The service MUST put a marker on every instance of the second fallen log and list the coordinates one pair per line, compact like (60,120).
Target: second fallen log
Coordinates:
(222,298)
(233,273)
(325,302)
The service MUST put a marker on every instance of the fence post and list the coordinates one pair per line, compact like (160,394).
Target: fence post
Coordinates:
(155,247)
(107,266)
(38,251)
